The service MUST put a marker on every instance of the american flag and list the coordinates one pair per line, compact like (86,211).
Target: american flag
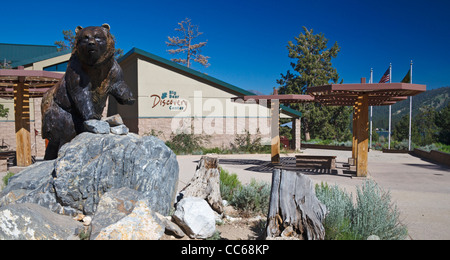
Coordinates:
(386,77)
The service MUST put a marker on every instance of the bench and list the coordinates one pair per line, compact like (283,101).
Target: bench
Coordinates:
(6,159)
(315,161)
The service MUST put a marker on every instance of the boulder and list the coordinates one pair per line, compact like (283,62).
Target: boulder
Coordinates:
(32,185)
(195,217)
(141,224)
(93,164)
(28,221)
(119,130)
(96,126)
(114,120)
(113,206)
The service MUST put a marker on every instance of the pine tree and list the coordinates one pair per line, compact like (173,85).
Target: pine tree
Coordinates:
(443,122)
(312,67)
(185,44)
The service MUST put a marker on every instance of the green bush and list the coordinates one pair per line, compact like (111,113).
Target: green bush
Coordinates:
(183,143)
(340,207)
(373,213)
(252,198)
(229,183)
(248,143)
(6,178)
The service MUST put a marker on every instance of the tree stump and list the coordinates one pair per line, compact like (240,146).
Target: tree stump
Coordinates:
(206,183)
(294,210)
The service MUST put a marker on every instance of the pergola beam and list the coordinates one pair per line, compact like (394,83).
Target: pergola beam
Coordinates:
(22,85)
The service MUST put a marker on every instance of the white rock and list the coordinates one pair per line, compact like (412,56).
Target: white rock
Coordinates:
(196,217)
(141,224)
(119,130)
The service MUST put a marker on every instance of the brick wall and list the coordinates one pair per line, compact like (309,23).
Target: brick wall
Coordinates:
(162,128)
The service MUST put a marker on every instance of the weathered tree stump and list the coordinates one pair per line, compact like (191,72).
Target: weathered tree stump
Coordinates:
(206,183)
(294,210)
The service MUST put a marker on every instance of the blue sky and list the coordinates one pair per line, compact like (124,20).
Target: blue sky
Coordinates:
(247,39)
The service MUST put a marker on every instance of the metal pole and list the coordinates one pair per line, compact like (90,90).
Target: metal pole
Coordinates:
(371,111)
(410,108)
(390,108)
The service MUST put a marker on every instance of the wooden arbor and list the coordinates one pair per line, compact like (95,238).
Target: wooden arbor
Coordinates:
(275,101)
(361,96)
(22,85)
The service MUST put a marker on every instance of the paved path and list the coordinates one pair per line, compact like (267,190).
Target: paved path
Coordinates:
(420,189)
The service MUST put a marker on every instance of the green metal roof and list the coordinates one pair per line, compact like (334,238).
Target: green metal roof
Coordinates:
(238,91)
(39,58)
(15,53)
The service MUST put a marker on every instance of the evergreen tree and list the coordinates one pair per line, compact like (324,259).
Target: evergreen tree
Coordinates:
(425,129)
(443,122)
(401,129)
(312,67)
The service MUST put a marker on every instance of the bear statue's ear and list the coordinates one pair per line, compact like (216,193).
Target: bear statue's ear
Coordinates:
(79,28)
(106,26)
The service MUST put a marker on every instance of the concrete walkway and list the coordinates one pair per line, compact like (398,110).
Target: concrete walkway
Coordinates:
(419,188)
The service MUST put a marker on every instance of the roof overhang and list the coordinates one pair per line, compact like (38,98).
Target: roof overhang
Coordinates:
(37,81)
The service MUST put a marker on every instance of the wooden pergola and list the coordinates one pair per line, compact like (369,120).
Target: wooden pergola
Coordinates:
(22,85)
(359,96)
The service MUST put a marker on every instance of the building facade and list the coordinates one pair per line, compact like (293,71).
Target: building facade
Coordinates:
(170,99)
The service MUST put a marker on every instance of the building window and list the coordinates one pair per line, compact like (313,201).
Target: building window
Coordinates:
(57,67)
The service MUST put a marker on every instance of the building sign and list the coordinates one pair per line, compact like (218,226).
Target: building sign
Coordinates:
(171,100)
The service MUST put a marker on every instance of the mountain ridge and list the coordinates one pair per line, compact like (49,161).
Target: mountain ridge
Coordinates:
(436,98)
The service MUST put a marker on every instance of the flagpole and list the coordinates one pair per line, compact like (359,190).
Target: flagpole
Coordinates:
(390,108)
(371,112)
(410,108)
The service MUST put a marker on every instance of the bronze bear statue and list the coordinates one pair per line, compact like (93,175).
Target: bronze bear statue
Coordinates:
(92,74)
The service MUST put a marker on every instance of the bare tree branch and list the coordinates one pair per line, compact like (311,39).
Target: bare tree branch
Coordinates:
(185,44)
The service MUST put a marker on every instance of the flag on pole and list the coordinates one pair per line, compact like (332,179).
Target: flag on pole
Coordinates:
(386,77)
(407,78)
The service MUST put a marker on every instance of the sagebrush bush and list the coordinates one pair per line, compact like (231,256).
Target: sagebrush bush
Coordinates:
(253,197)
(229,183)
(373,213)
(339,205)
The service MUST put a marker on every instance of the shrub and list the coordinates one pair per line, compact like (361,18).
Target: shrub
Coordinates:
(248,143)
(183,143)
(373,213)
(229,183)
(7,177)
(340,207)
(252,198)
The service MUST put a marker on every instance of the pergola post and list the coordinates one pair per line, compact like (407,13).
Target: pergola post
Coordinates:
(22,122)
(352,161)
(275,130)
(297,135)
(362,135)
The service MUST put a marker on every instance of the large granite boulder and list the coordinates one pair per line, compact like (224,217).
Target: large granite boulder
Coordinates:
(92,164)
(28,221)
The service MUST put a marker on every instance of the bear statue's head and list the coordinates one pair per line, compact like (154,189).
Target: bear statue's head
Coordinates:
(94,44)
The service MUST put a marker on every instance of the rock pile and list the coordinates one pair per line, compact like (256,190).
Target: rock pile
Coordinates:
(109,184)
